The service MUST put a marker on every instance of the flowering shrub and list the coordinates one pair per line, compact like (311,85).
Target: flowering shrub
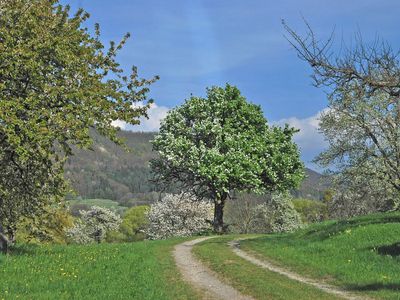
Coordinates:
(277,215)
(359,194)
(265,214)
(178,215)
(94,225)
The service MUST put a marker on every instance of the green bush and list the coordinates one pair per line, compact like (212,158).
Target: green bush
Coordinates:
(134,222)
(132,227)
(50,227)
(311,211)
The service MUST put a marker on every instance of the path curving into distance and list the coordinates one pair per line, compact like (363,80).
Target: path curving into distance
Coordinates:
(200,276)
(212,287)
(235,246)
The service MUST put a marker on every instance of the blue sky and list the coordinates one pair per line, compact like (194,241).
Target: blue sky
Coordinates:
(192,44)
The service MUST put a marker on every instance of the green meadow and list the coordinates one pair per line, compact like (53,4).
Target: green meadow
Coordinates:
(360,255)
(142,270)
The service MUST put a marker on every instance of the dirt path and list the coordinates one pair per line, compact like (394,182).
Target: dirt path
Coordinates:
(271,267)
(201,277)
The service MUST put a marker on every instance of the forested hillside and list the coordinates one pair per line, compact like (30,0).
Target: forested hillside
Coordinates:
(108,171)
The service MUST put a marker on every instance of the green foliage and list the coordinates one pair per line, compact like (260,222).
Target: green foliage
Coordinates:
(211,146)
(311,211)
(360,254)
(328,196)
(57,81)
(49,227)
(115,236)
(134,223)
(142,270)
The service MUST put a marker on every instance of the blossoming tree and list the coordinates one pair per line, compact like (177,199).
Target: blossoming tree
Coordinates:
(214,145)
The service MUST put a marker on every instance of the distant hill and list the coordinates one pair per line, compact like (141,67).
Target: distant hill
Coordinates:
(109,172)
(313,186)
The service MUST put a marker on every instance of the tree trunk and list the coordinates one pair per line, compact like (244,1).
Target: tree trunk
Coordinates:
(218,223)
(4,241)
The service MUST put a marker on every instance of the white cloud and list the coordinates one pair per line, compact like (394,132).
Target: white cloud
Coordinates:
(156,114)
(309,140)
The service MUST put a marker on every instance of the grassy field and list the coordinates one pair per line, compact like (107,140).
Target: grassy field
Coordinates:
(142,270)
(361,255)
(250,279)
(97,202)
(106,203)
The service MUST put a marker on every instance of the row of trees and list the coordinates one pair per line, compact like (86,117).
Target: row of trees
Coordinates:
(180,215)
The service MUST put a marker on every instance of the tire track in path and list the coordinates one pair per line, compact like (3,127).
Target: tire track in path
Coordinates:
(294,276)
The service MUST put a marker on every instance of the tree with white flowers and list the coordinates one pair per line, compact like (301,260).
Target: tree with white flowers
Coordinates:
(94,225)
(178,215)
(212,146)
(361,125)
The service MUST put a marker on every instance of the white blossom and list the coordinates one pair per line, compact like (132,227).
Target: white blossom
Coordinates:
(94,225)
(275,214)
(178,215)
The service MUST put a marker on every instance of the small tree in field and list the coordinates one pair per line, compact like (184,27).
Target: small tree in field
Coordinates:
(94,225)
(249,213)
(276,215)
(178,215)
(212,146)
(134,223)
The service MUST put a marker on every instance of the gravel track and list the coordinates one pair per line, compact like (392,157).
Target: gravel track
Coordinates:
(200,276)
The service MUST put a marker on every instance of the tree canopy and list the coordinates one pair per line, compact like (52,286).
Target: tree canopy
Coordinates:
(57,80)
(361,124)
(214,145)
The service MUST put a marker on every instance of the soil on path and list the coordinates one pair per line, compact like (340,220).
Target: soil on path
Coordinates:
(271,267)
(200,276)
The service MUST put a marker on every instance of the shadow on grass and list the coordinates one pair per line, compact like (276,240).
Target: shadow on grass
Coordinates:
(20,250)
(328,230)
(392,250)
(375,287)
